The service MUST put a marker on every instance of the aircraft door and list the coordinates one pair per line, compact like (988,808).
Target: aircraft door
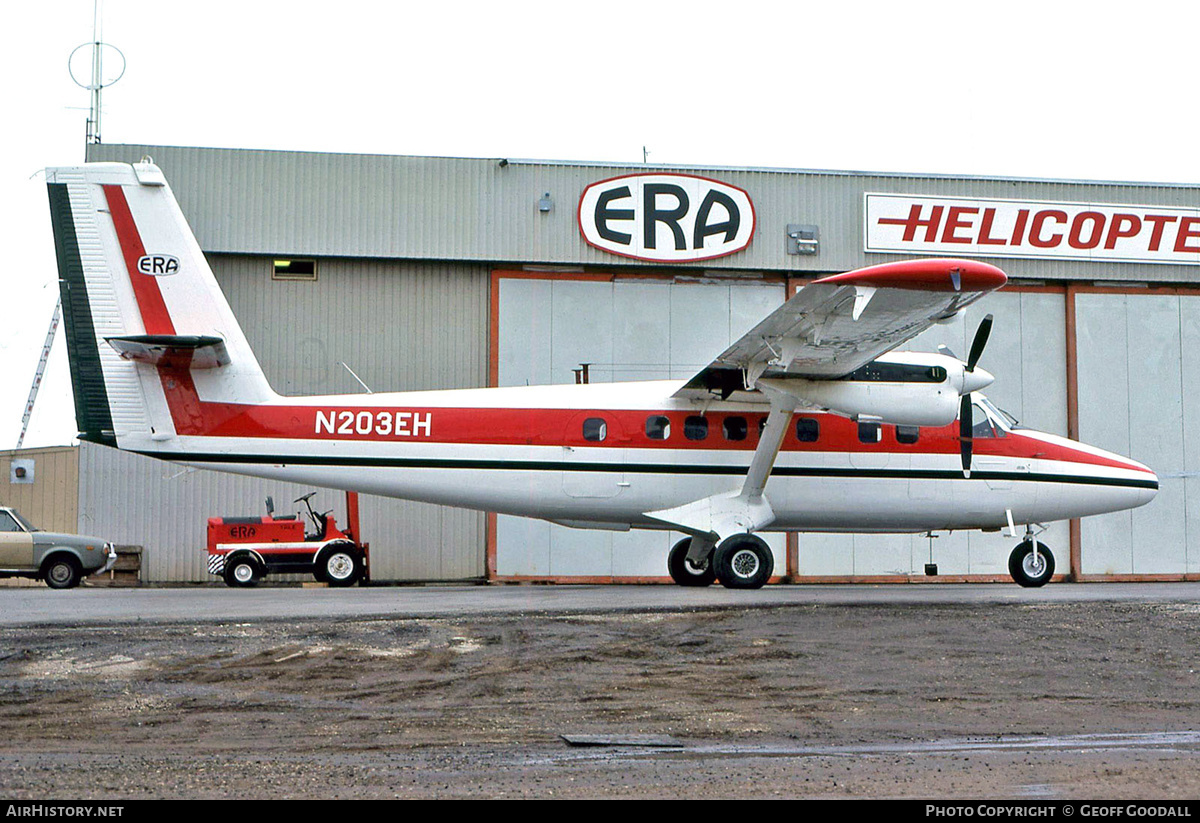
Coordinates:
(871,454)
(593,456)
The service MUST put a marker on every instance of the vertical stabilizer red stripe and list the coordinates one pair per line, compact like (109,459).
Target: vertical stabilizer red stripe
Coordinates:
(155,317)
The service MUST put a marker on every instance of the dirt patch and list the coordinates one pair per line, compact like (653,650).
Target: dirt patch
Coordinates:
(789,701)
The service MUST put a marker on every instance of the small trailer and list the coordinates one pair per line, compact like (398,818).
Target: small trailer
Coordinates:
(244,550)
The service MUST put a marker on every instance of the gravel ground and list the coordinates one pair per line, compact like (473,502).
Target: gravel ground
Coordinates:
(1083,700)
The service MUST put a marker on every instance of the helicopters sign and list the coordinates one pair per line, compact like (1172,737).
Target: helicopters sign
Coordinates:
(913,224)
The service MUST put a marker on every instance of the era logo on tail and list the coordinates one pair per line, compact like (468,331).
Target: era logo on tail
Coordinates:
(158,265)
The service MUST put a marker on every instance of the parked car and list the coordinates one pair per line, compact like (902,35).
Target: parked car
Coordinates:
(60,559)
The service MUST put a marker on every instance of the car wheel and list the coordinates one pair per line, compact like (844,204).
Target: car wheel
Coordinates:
(62,572)
(242,573)
(338,565)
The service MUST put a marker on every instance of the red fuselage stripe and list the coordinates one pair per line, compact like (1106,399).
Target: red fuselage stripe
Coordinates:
(625,429)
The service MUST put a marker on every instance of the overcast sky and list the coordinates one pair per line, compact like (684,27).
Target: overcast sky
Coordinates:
(1032,89)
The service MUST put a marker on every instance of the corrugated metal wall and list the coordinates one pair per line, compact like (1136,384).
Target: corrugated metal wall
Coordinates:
(1139,361)
(437,208)
(401,326)
(51,501)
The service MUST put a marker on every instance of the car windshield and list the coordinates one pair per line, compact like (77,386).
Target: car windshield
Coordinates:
(25,524)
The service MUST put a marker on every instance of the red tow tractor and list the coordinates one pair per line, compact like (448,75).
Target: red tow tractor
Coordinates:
(244,550)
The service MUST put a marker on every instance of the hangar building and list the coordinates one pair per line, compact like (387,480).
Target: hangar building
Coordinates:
(432,272)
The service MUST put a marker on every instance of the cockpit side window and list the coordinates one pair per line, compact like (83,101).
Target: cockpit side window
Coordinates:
(982,425)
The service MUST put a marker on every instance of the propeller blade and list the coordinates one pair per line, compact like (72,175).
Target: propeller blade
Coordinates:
(965,428)
(981,338)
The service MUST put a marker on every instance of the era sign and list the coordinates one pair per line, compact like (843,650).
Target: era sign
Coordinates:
(666,218)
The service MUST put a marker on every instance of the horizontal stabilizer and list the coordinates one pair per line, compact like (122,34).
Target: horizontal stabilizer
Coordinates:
(172,350)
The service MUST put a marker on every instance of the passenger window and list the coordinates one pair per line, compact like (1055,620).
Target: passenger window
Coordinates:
(907,434)
(807,429)
(595,429)
(695,427)
(7,524)
(658,427)
(735,428)
(870,432)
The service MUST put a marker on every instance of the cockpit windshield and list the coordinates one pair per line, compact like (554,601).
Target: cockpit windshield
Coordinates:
(988,420)
(998,414)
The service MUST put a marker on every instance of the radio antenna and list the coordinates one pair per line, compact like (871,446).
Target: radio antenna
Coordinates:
(97,79)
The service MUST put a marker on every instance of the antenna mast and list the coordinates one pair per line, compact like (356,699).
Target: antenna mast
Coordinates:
(96,81)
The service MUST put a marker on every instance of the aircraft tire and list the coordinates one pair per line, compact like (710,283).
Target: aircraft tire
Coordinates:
(1023,569)
(683,572)
(743,561)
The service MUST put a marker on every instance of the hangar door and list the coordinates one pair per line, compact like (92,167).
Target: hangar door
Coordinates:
(1027,354)
(1139,359)
(627,329)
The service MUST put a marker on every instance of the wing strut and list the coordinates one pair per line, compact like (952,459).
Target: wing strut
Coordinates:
(709,519)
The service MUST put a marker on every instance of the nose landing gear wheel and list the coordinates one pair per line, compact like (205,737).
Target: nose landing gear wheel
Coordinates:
(1029,571)
(743,561)
(686,573)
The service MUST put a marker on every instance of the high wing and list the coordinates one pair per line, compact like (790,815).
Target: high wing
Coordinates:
(839,323)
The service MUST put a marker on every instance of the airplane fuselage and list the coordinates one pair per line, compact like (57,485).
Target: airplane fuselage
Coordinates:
(602,455)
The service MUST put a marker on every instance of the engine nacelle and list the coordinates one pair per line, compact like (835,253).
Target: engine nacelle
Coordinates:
(903,388)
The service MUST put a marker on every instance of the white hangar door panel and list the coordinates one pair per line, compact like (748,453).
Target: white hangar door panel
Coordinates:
(627,329)
(1139,357)
(1027,353)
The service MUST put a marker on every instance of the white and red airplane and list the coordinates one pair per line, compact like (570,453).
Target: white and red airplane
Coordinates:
(804,400)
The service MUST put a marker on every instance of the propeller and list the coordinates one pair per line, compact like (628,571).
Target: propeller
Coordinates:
(981,337)
(965,427)
(966,423)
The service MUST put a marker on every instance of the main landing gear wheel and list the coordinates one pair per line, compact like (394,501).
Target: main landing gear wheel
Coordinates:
(743,561)
(686,573)
(338,566)
(1030,571)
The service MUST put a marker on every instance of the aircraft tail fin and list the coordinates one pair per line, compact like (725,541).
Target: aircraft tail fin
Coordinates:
(142,310)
